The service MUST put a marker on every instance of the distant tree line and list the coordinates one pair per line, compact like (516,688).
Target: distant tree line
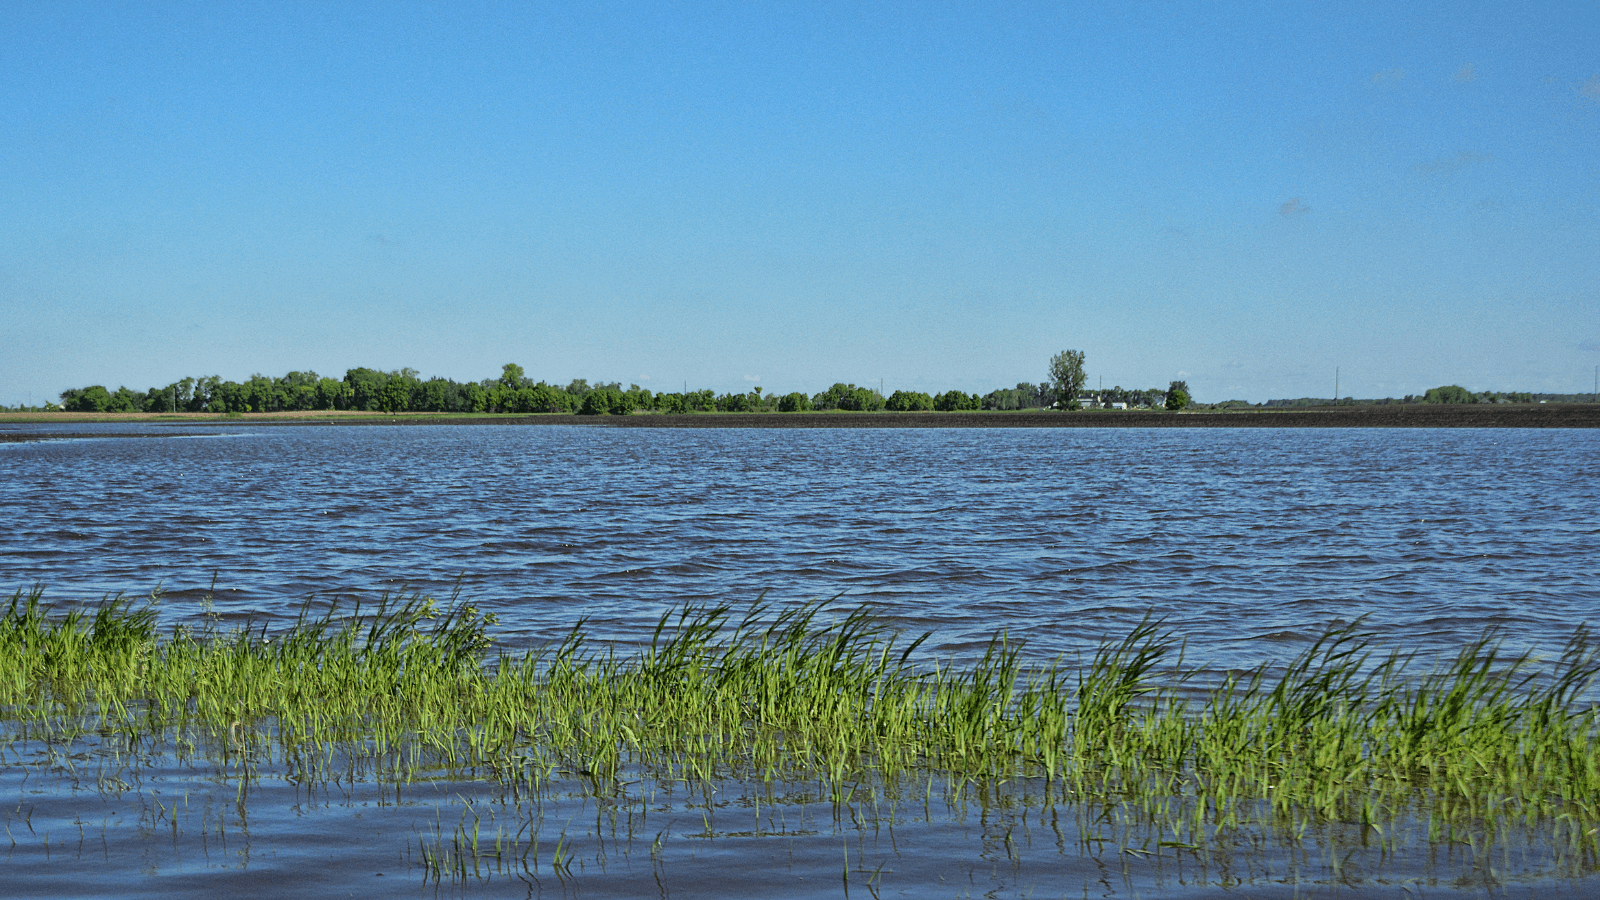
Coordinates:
(1450,393)
(403,390)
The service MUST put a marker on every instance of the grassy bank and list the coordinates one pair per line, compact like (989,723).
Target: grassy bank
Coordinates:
(1480,745)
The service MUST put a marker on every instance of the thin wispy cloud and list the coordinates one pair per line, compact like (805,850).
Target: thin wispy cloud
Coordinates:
(1294,206)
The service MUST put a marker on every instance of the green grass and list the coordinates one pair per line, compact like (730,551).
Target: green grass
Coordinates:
(1471,749)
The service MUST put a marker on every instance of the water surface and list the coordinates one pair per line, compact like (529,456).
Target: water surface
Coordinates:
(1244,539)
(1249,542)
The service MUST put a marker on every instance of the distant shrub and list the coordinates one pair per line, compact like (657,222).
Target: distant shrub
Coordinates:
(848,396)
(909,401)
(956,401)
(606,402)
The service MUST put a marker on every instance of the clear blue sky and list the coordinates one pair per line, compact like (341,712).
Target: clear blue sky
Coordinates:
(932,195)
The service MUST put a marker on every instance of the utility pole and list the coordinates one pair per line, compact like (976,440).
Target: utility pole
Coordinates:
(1335,385)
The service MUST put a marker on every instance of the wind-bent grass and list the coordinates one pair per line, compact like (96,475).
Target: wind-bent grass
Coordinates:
(412,690)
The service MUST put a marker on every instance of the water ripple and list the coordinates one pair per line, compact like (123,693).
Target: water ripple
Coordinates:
(1247,541)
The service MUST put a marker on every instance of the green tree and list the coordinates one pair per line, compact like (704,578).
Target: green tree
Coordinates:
(909,401)
(94,398)
(125,400)
(511,376)
(364,386)
(1023,396)
(734,403)
(794,401)
(439,395)
(394,395)
(477,399)
(223,396)
(642,397)
(157,400)
(956,401)
(261,393)
(298,390)
(175,397)
(206,391)
(1450,393)
(330,393)
(545,398)
(848,396)
(1178,395)
(1067,375)
(606,401)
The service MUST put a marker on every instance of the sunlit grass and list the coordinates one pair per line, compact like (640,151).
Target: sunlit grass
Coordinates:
(1469,749)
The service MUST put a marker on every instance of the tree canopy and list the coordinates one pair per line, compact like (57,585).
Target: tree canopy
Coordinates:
(1066,373)
(404,390)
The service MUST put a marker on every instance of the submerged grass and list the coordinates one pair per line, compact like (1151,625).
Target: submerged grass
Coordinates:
(1475,748)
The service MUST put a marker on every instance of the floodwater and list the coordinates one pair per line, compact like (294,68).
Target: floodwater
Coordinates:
(1249,542)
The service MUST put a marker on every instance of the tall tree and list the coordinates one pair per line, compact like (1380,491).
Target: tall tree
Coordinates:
(1066,373)
(511,376)
(1178,395)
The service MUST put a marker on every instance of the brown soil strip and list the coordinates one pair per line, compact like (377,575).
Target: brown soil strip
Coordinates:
(1397,416)
(1564,415)
(20,437)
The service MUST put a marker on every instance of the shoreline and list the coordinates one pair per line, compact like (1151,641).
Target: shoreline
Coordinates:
(1565,415)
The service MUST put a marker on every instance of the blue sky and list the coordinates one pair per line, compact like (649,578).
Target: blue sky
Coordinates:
(933,196)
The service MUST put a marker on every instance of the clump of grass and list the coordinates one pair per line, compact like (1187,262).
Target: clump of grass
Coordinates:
(411,688)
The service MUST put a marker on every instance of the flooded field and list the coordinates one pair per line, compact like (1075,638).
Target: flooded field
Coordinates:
(1248,545)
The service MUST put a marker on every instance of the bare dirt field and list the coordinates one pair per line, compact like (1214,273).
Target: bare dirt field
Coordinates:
(1396,416)
(1563,415)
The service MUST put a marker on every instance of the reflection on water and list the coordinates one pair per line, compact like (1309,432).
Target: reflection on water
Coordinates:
(100,818)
